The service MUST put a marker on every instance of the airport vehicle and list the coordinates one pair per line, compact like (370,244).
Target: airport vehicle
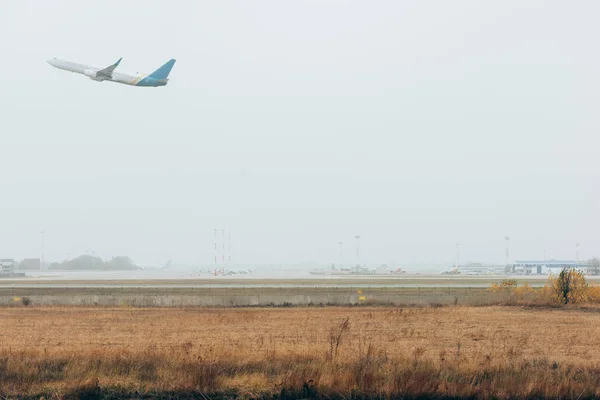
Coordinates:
(160,77)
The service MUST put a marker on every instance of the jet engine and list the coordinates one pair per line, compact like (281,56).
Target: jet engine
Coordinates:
(93,75)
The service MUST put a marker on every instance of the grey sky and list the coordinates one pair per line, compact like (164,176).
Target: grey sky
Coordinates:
(300,124)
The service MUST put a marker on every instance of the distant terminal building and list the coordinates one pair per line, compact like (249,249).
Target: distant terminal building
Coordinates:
(476,268)
(529,267)
(8,268)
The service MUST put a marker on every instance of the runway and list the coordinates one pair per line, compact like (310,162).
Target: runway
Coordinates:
(149,285)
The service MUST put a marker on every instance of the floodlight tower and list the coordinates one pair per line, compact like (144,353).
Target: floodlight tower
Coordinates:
(457,255)
(341,258)
(229,250)
(223,266)
(216,251)
(357,237)
(506,240)
(43,232)
(577,253)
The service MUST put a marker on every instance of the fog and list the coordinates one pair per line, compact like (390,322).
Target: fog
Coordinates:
(297,125)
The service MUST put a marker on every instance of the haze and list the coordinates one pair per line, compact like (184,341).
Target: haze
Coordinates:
(296,125)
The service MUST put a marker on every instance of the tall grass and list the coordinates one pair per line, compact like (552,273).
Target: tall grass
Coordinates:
(508,376)
(460,352)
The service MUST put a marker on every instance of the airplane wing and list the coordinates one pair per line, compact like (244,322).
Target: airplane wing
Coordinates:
(107,72)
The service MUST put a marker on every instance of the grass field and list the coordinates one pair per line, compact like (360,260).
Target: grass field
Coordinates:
(502,352)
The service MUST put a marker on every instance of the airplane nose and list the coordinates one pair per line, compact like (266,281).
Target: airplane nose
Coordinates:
(52,62)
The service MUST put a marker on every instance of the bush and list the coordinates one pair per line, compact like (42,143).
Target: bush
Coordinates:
(525,292)
(570,286)
(593,293)
(25,301)
(567,287)
(507,285)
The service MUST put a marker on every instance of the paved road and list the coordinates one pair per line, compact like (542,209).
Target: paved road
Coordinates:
(356,285)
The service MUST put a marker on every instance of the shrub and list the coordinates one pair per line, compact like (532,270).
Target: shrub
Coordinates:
(567,287)
(593,293)
(525,292)
(507,285)
(570,286)
(547,294)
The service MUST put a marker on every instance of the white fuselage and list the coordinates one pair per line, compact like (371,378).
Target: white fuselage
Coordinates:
(118,77)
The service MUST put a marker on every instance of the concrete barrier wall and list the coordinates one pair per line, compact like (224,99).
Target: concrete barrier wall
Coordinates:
(256,298)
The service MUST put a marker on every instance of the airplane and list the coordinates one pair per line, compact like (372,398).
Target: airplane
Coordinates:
(157,78)
(224,272)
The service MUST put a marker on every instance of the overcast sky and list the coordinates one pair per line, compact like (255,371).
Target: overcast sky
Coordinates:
(299,124)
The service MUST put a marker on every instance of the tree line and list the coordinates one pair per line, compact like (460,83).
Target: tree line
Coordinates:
(89,262)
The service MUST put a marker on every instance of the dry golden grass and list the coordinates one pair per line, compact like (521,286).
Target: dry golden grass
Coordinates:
(502,352)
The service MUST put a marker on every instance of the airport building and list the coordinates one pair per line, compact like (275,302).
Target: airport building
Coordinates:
(8,268)
(542,267)
(477,268)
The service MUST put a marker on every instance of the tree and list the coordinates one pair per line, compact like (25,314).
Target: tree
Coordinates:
(570,286)
(82,262)
(88,262)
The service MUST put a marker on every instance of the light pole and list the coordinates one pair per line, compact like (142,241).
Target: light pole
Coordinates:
(457,255)
(43,232)
(357,237)
(507,239)
(216,264)
(341,258)
(577,253)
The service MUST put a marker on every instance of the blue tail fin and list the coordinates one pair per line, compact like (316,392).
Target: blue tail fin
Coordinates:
(163,72)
